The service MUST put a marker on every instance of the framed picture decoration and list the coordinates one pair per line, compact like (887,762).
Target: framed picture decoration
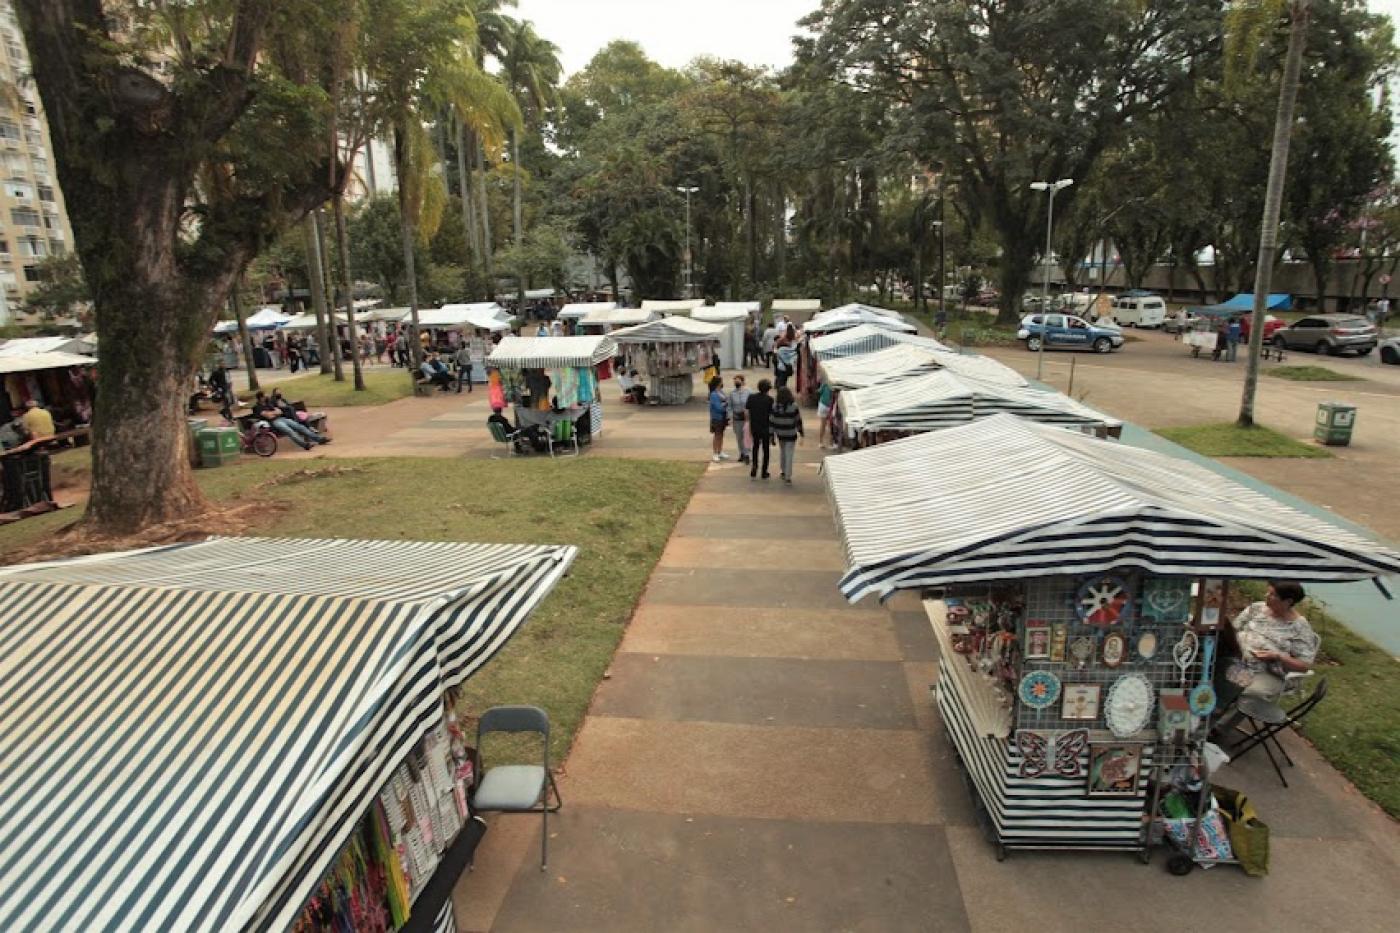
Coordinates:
(1081,702)
(1036,755)
(1081,650)
(1115,649)
(1114,769)
(1037,645)
(1210,603)
(1059,642)
(1166,600)
(1147,645)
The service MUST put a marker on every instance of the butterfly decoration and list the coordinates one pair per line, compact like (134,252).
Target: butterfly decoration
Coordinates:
(1035,748)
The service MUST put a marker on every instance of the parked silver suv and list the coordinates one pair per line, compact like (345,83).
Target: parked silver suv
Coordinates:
(1328,333)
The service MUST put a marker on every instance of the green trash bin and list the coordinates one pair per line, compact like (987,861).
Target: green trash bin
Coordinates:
(1334,423)
(218,446)
(196,425)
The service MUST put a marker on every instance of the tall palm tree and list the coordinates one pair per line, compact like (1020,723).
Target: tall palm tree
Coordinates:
(530,68)
(492,26)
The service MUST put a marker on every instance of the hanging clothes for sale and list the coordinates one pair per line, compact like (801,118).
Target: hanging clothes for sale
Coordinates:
(556,375)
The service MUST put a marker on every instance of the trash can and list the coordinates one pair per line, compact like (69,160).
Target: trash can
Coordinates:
(1334,423)
(196,425)
(218,446)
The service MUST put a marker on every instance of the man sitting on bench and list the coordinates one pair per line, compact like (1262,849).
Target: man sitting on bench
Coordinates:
(434,372)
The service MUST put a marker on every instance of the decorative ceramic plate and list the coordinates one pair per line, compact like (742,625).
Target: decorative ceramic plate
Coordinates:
(1166,600)
(1147,645)
(1039,689)
(1102,600)
(1129,708)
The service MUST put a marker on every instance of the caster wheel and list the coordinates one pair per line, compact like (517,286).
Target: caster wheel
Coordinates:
(1001,853)
(1179,865)
(1145,856)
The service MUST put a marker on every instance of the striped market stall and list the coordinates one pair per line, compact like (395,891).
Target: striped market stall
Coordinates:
(552,378)
(943,399)
(605,320)
(855,315)
(866,338)
(575,310)
(904,360)
(669,352)
(212,736)
(1075,587)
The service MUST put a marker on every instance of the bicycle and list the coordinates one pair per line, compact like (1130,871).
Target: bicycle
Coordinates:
(257,437)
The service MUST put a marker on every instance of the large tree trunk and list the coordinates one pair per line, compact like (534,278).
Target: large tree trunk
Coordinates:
(1017,264)
(331,348)
(312,243)
(342,243)
(406,235)
(519,214)
(1273,203)
(488,245)
(464,184)
(245,339)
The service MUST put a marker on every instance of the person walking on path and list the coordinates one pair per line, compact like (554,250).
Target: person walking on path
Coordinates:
(786,425)
(786,352)
(462,359)
(770,337)
(825,395)
(759,408)
(719,418)
(1232,339)
(739,415)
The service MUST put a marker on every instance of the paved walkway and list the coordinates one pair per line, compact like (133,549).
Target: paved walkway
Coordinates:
(765,756)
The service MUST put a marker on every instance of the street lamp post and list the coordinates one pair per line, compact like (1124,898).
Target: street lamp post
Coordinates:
(688,190)
(1052,187)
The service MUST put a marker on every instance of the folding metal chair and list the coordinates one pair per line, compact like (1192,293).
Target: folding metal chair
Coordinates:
(1266,720)
(518,788)
(510,438)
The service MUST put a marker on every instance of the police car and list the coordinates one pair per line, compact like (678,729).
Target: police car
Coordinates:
(1066,331)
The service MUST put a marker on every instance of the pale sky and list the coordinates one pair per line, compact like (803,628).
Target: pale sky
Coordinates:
(757,32)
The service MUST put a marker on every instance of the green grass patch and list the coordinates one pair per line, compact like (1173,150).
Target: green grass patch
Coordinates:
(1310,374)
(557,659)
(1231,440)
(1357,727)
(322,391)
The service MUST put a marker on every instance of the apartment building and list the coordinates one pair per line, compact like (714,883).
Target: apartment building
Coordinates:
(33,219)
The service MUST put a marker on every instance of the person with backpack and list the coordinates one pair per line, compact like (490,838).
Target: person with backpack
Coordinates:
(719,418)
(759,407)
(785,422)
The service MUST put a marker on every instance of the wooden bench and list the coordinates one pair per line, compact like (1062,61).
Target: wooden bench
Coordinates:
(1270,351)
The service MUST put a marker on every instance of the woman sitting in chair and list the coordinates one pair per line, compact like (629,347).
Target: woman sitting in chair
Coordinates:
(1266,642)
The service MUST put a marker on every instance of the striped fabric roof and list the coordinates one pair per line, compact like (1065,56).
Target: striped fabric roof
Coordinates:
(551,352)
(674,329)
(1003,498)
(188,734)
(866,338)
(942,399)
(903,360)
(618,317)
(848,316)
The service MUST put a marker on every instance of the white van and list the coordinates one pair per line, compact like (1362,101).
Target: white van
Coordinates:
(1139,310)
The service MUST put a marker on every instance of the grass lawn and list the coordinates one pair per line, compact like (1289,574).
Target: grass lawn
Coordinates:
(1357,727)
(1310,374)
(319,391)
(1230,440)
(559,656)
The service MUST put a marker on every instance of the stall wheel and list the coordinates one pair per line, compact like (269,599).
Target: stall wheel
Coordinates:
(1145,856)
(1180,865)
(1001,852)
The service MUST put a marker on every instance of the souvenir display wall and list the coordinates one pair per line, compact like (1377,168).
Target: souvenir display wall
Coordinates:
(1070,687)
(397,846)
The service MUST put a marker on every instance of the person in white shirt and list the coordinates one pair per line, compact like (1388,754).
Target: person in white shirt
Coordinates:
(770,337)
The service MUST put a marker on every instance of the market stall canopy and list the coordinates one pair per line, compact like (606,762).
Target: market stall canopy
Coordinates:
(720,313)
(866,339)
(856,316)
(748,307)
(672,306)
(35,362)
(383,314)
(790,305)
(903,360)
(31,346)
(266,319)
(617,317)
(226,327)
(255,693)
(308,321)
(1244,301)
(364,304)
(551,352)
(1003,498)
(477,317)
(578,309)
(669,330)
(937,400)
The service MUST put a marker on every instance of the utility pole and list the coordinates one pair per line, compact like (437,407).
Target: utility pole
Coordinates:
(1053,187)
(1273,204)
(688,190)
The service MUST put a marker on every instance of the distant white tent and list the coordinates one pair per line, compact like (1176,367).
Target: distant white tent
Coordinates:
(867,338)
(267,319)
(674,329)
(790,305)
(731,343)
(903,360)
(483,316)
(617,317)
(32,346)
(848,316)
(36,362)
(748,307)
(672,306)
(308,321)
(579,309)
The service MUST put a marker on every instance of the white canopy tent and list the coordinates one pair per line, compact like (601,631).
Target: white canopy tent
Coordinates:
(551,352)
(903,360)
(579,309)
(670,330)
(308,321)
(748,307)
(1003,498)
(610,318)
(672,306)
(866,339)
(798,305)
(731,343)
(943,399)
(850,316)
(33,346)
(382,314)
(267,319)
(36,362)
(461,317)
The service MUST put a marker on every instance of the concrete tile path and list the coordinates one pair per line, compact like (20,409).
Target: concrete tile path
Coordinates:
(765,756)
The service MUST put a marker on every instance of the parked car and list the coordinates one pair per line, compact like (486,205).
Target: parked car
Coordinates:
(1328,333)
(1175,325)
(1068,331)
(1138,309)
(1390,351)
(1272,325)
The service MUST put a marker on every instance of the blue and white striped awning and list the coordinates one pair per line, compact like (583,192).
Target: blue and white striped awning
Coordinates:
(943,399)
(188,734)
(674,329)
(867,338)
(855,315)
(903,360)
(551,352)
(1003,499)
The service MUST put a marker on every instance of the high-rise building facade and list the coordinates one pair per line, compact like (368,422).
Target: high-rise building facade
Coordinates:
(33,219)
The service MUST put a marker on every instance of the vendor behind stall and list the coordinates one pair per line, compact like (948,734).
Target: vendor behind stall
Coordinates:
(1267,641)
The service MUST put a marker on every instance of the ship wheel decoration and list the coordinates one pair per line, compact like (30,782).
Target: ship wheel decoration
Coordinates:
(1102,600)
